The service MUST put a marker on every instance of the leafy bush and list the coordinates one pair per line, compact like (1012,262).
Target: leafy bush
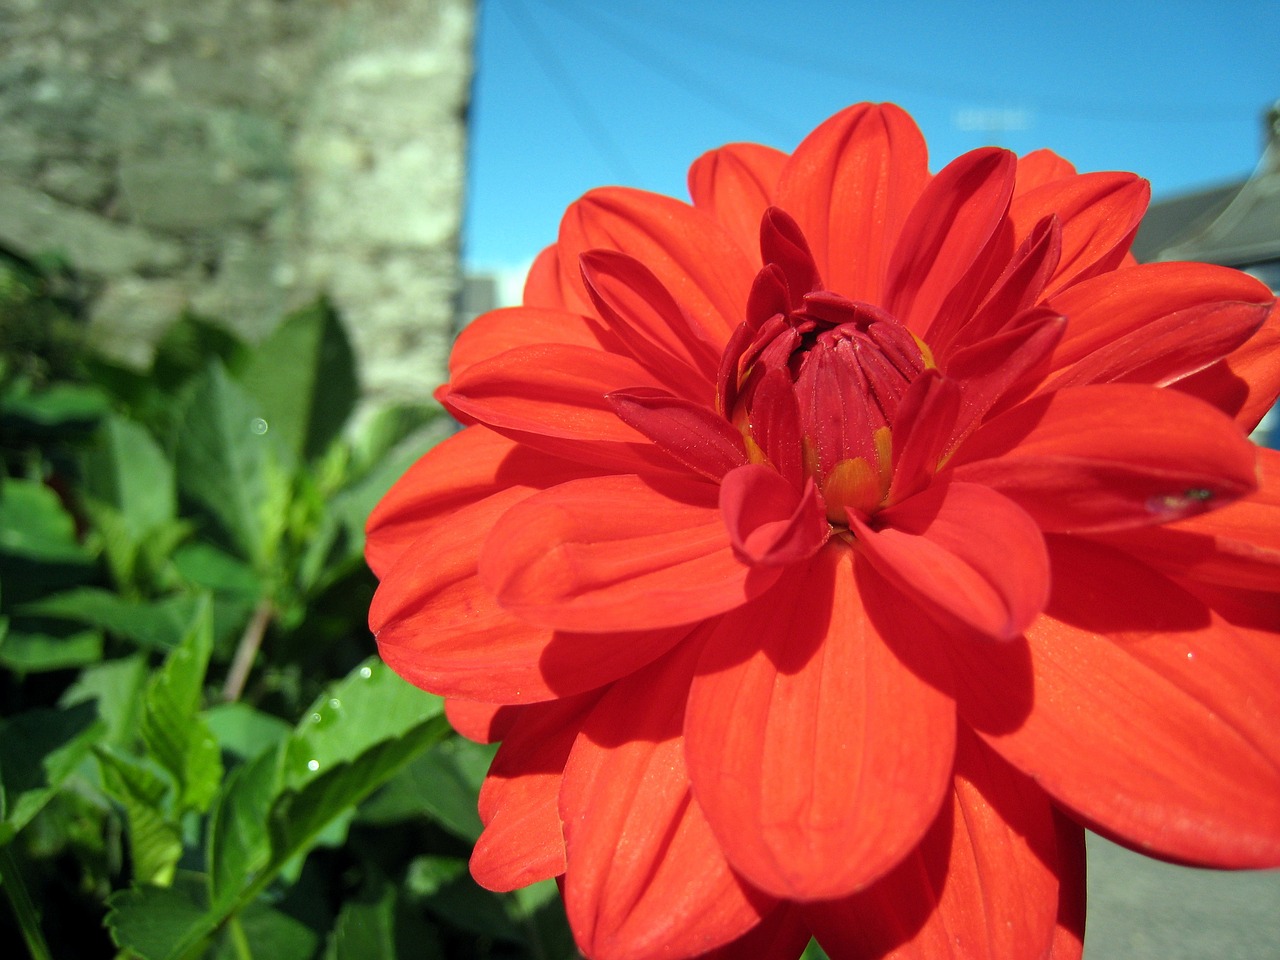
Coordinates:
(199,757)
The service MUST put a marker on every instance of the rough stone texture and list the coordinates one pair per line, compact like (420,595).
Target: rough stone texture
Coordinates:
(240,157)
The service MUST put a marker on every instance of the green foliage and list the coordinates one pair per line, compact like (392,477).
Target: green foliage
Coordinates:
(198,757)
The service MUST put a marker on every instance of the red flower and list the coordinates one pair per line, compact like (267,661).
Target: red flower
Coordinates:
(827,552)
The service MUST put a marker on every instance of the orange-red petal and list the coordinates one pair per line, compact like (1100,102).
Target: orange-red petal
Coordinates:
(786,738)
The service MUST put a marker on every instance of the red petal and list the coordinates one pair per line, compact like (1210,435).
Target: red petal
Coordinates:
(1244,385)
(522,841)
(782,934)
(463,469)
(1109,307)
(481,722)
(1110,456)
(1001,368)
(965,551)
(986,882)
(646,876)
(850,185)
(695,435)
(1099,212)
(1040,167)
(735,184)
(818,757)
(439,627)
(944,239)
(545,285)
(641,313)
(1170,348)
(1150,715)
(1237,546)
(770,523)
(686,249)
(923,427)
(619,553)
(501,330)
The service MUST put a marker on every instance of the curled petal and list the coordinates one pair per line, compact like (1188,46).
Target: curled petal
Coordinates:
(785,738)
(646,876)
(697,436)
(770,523)
(618,553)
(1110,456)
(947,234)
(1099,212)
(1150,715)
(967,552)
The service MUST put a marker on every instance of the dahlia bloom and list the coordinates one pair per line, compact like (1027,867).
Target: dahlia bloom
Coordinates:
(827,553)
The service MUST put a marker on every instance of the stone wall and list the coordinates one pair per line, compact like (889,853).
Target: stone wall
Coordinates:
(238,157)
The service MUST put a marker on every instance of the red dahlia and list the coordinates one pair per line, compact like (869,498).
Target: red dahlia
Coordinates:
(827,552)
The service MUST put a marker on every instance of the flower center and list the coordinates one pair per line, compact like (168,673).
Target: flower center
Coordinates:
(815,380)
(820,389)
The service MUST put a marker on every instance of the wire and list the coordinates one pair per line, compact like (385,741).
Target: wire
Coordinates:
(591,125)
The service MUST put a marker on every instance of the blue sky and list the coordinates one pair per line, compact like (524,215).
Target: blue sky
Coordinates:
(571,94)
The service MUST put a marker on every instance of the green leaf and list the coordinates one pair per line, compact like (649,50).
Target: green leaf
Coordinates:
(245,731)
(447,890)
(155,839)
(34,525)
(228,466)
(275,935)
(116,687)
(369,705)
(172,729)
(377,925)
(188,345)
(57,405)
(26,652)
(304,375)
(206,567)
(239,845)
(39,749)
(156,625)
(126,469)
(443,784)
(150,921)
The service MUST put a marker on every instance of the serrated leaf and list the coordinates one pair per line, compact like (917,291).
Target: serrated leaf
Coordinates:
(299,817)
(227,465)
(155,840)
(35,526)
(126,469)
(304,374)
(149,922)
(39,749)
(369,705)
(28,652)
(172,729)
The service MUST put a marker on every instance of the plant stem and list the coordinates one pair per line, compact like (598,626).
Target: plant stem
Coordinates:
(247,650)
(23,908)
